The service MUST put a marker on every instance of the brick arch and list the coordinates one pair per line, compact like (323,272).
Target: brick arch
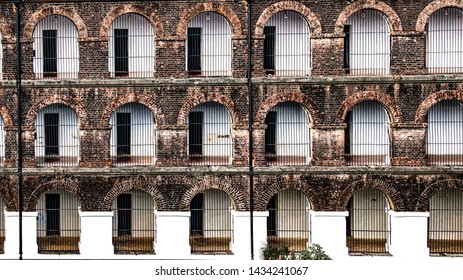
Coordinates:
(435,98)
(143,99)
(393,19)
(423,200)
(306,102)
(187,14)
(282,184)
(304,11)
(236,195)
(144,11)
(394,112)
(423,17)
(200,98)
(393,197)
(60,98)
(139,183)
(65,184)
(46,10)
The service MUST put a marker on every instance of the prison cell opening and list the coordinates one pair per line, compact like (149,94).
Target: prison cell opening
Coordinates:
(2,226)
(288,222)
(57,137)
(367,136)
(368,223)
(367,43)
(58,223)
(131,47)
(209,45)
(56,48)
(444,50)
(134,223)
(445,223)
(211,225)
(444,138)
(133,136)
(287,135)
(287,45)
(209,135)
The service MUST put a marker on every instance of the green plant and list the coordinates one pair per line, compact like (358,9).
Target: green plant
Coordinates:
(274,251)
(314,252)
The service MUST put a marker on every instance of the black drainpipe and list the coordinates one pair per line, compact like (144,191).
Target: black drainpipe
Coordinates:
(17,4)
(250,121)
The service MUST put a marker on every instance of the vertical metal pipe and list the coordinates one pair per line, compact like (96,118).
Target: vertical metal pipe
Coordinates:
(17,4)
(250,121)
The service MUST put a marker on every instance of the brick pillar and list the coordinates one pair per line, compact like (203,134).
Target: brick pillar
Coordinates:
(329,231)
(408,144)
(94,147)
(409,234)
(172,148)
(328,144)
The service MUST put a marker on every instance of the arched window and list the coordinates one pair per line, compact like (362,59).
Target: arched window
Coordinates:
(444,47)
(367,226)
(287,135)
(287,45)
(133,135)
(56,48)
(367,137)
(209,45)
(209,135)
(131,47)
(444,139)
(58,223)
(211,226)
(367,43)
(134,224)
(57,137)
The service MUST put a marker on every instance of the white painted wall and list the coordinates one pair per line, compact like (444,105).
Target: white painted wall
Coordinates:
(217,134)
(141,45)
(408,234)
(370,133)
(142,130)
(66,43)
(368,215)
(217,218)
(446,215)
(173,234)
(292,44)
(69,214)
(142,212)
(216,44)
(445,128)
(68,132)
(293,136)
(329,231)
(370,43)
(444,45)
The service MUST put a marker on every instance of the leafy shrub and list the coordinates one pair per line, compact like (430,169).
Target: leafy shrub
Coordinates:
(276,251)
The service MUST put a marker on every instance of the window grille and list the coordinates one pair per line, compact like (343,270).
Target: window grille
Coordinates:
(133,136)
(445,222)
(209,45)
(2,142)
(211,226)
(287,45)
(368,224)
(58,223)
(444,140)
(57,137)
(287,135)
(134,223)
(288,222)
(2,226)
(131,47)
(209,135)
(56,49)
(444,48)
(367,44)
(367,137)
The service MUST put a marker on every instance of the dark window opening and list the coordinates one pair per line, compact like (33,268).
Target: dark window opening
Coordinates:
(272,216)
(194,49)
(269,49)
(124,214)
(195,133)
(196,207)
(51,136)
(50,58)
(123,134)
(121,52)
(52,211)
(270,133)
(347,48)
(347,133)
